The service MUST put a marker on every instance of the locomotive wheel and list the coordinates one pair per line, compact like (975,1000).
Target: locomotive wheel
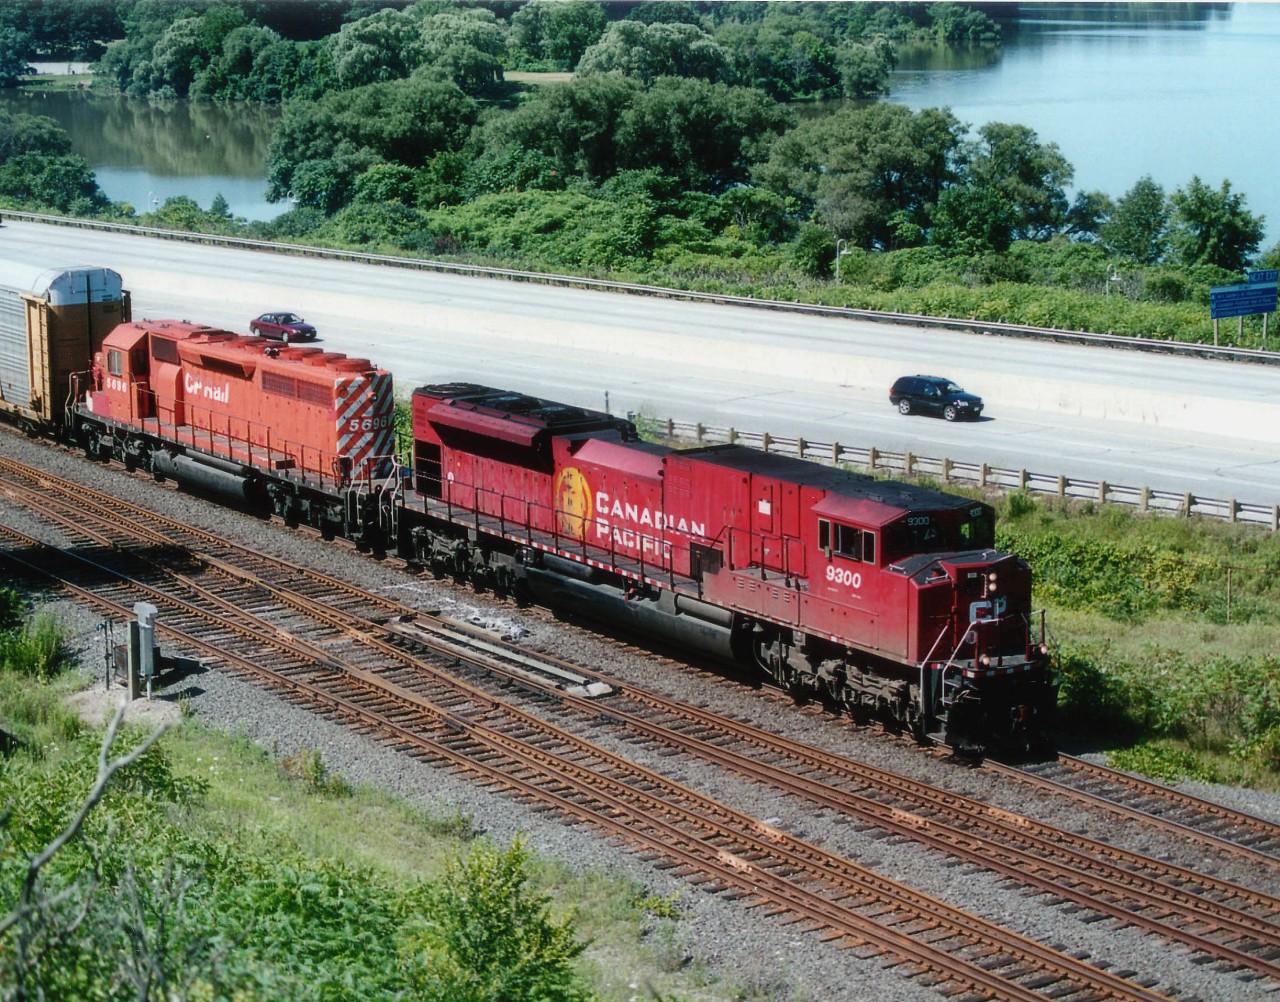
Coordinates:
(950,413)
(904,406)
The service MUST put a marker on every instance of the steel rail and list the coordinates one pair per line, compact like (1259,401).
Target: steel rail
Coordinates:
(1265,830)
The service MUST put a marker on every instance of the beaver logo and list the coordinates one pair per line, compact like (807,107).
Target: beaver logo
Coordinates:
(573,502)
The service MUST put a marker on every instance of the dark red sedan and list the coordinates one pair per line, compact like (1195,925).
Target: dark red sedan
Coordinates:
(284,327)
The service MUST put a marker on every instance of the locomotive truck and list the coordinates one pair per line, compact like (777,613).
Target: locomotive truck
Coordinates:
(881,599)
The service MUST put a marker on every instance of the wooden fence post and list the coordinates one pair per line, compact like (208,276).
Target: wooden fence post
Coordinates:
(872,455)
(766,440)
(1062,486)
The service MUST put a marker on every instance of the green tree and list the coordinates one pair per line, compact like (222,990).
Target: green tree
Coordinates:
(128,63)
(649,51)
(572,123)
(178,55)
(666,12)
(320,147)
(557,32)
(865,67)
(485,937)
(254,63)
(788,53)
(868,174)
(63,183)
(705,134)
(14,46)
(31,134)
(381,47)
(1213,227)
(1088,213)
(1138,227)
(1029,175)
(972,220)
(465,46)
(65,29)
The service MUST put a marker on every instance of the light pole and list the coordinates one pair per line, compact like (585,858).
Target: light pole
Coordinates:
(1113,275)
(842,248)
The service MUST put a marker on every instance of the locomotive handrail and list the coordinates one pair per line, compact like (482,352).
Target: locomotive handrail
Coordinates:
(1184,503)
(972,325)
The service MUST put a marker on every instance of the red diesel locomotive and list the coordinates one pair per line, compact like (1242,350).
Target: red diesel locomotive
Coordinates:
(877,597)
(305,433)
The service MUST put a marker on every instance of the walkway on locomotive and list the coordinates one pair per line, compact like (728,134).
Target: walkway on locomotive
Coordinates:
(319,418)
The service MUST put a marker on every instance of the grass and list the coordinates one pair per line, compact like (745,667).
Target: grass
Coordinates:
(48,82)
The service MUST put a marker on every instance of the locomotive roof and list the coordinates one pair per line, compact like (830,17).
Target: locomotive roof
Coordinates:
(859,486)
(561,419)
(199,343)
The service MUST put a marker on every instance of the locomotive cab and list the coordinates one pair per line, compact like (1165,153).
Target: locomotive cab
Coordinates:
(121,377)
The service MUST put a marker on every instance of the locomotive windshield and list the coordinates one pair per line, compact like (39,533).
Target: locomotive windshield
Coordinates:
(971,528)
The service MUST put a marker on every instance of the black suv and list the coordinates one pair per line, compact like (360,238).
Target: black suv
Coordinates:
(934,395)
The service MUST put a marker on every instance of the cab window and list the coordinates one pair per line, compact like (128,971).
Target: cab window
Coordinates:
(115,362)
(845,540)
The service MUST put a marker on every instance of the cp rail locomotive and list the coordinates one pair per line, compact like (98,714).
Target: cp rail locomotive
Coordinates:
(881,599)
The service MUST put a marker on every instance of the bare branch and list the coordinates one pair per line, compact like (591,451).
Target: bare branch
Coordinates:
(107,768)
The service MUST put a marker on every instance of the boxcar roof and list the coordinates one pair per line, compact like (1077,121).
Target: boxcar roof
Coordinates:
(65,286)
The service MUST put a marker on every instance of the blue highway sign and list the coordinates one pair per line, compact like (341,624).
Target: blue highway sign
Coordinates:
(1241,300)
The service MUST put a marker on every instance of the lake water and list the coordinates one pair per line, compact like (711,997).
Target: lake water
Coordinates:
(1129,89)
(143,152)
(1170,90)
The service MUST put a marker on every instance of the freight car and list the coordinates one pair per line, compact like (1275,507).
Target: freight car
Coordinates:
(879,598)
(51,323)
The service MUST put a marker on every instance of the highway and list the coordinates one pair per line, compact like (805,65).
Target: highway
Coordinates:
(1127,417)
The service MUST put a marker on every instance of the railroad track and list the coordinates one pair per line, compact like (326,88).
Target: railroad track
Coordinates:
(1123,886)
(1099,787)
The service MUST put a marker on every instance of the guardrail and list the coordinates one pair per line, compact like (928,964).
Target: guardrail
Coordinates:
(579,281)
(909,464)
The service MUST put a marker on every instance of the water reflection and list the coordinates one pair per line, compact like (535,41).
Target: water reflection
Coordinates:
(143,149)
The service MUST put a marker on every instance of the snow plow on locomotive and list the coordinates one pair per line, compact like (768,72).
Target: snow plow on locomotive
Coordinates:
(880,599)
